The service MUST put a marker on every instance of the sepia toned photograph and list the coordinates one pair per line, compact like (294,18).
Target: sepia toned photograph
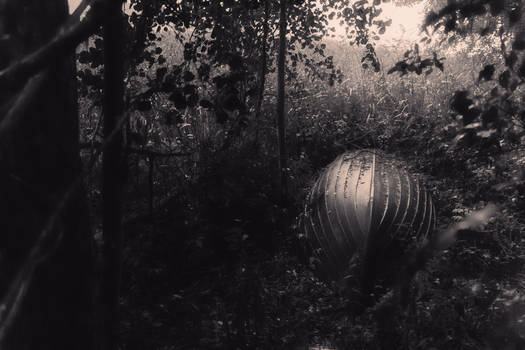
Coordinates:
(262,175)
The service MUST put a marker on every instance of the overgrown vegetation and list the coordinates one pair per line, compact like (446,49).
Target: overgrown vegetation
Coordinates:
(208,263)
(212,270)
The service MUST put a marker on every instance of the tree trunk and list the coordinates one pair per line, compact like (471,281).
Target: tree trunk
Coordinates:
(262,74)
(39,161)
(281,117)
(113,163)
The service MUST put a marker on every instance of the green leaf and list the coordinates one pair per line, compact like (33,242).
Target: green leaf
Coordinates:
(178,99)
(484,31)
(511,59)
(460,102)
(192,99)
(437,62)
(450,25)
(174,117)
(428,62)
(504,79)
(143,105)
(99,43)
(471,115)
(496,6)
(231,103)
(519,43)
(189,89)
(486,73)
(84,57)
(514,15)
(161,72)
(235,62)
(490,115)
(222,116)
(206,104)
(188,76)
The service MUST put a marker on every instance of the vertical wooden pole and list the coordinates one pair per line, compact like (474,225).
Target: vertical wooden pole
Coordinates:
(281,116)
(151,169)
(112,174)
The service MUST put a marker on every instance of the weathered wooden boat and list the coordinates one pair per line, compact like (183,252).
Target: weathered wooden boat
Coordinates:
(365,204)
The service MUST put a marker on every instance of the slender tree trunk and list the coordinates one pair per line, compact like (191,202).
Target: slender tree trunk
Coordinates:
(113,163)
(264,63)
(281,117)
(39,161)
(151,176)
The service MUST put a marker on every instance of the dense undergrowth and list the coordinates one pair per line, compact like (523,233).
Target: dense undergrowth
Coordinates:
(210,267)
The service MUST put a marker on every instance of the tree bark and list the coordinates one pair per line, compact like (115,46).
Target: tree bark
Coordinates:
(113,163)
(151,183)
(262,75)
(281,117)
(66,41)
(39,162)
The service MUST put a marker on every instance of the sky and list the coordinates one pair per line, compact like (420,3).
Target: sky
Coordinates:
(73,5)
(405,21)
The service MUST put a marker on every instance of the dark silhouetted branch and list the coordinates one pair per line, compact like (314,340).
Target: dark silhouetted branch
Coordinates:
(71,34)
(420,258)
(22,73)
(140,151)
(20,106)
(43,248)
(155,153)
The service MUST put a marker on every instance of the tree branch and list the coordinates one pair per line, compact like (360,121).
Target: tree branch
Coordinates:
(155,153)
(420,258)
(140,150)
(21,104)
(69,36)
(44,246)
(23,71)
